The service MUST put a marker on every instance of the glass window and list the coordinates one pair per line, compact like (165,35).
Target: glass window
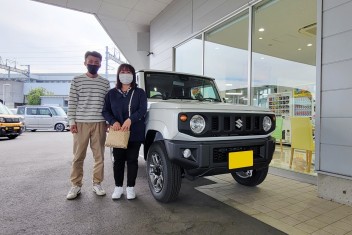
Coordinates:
(188,56)
(283,56)
(180,86)
(226,57)
(31,111)
(57,111)
(44,111)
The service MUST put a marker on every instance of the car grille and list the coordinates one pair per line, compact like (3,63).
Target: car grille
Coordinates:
(220,155)
(12,120)
(227,124)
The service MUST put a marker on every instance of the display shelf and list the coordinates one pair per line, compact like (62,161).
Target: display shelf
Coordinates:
(280,103)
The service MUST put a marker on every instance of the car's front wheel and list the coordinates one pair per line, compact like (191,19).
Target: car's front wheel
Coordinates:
(11,137)
(59,127)
(164,177)
(250,177)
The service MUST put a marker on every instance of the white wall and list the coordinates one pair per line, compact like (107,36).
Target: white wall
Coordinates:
(336,85)
(181,20)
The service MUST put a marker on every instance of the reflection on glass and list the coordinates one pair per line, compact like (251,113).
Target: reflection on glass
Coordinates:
(283,69)
(180,86)
(283,54)
(188,56)
(226,57)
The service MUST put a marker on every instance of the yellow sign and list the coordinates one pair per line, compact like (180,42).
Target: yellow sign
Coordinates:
(240,159)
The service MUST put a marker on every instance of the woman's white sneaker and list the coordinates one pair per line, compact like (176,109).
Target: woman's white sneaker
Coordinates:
(118,191)
(131,194)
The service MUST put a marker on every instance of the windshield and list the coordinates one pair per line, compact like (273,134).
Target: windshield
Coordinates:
(4,110)
(180,86)
(57,111)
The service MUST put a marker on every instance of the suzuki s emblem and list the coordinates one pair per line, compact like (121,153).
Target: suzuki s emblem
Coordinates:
(239,123)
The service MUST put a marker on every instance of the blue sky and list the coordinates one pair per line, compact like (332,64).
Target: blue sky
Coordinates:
(48,38)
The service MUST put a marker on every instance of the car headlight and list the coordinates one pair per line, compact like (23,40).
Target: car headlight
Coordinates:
(267,123)
(2,119)
(197,124)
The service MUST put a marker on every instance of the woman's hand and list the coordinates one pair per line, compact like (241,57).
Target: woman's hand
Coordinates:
(126,125)
(116,126)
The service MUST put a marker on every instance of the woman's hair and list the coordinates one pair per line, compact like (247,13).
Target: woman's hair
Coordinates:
(133,72)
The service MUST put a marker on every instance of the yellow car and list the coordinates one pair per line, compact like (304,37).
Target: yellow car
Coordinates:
(10,124)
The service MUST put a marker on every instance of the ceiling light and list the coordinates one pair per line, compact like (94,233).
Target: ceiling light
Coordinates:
(260,38)
(261,30)
(228,84)
(299,49)
(309,44)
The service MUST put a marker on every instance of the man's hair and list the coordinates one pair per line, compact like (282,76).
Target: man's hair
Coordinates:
(93,53)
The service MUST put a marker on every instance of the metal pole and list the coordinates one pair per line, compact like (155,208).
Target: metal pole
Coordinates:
(106,62)
(3,92)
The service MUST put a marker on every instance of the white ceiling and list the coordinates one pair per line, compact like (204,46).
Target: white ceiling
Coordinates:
(121,19)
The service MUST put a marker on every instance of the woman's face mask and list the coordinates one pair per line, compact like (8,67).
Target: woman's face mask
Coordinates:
(126,78)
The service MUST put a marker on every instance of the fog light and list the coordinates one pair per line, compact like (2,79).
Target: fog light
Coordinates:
(187,153)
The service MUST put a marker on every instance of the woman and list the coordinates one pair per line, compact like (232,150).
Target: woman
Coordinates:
(116,113)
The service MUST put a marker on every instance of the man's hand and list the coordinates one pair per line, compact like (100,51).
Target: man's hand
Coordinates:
(73,128)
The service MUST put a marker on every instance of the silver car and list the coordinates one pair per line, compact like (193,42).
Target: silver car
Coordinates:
(44,118)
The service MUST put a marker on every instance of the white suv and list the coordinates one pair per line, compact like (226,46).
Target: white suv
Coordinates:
(191,132)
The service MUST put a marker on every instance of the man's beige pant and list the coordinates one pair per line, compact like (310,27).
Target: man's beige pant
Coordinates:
(95,134)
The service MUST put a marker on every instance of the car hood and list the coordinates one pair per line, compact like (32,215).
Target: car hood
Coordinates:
(206,106)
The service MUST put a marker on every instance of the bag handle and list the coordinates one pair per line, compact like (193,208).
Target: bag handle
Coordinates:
(129,105)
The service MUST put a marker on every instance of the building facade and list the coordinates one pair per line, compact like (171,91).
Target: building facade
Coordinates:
(226,34)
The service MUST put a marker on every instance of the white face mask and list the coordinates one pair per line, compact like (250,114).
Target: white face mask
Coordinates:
(126,78)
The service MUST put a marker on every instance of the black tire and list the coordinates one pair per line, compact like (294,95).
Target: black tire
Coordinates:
(34,130)
(11,137)
(59,127)
(164,177)
(255,178)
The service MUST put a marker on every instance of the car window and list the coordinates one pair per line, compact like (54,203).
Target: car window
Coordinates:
(31,111)
(44,111)
(20,110)
(4,110)
(57,111)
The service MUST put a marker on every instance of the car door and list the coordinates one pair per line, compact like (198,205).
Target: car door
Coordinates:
(31,117)
(45,118)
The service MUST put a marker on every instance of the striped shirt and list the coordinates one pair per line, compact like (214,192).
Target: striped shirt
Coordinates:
(86,99)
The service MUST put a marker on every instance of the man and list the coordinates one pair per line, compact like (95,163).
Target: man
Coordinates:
(86,100)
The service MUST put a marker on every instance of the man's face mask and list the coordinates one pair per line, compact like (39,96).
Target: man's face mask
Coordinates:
(92,69)
(126,78)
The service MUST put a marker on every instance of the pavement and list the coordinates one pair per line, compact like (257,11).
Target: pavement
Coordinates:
(34,177)
(35,170)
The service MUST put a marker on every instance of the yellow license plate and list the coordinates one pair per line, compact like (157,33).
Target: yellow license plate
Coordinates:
(240,159)
(16,128)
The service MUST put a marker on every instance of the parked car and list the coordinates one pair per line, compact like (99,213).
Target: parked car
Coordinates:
(191,132)
(10,124)
(44,118)
(14,111)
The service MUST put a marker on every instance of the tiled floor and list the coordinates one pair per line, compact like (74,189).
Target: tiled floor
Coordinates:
(288,205)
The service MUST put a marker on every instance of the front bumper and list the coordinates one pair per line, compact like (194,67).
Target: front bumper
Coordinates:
(10,130)
(211,158)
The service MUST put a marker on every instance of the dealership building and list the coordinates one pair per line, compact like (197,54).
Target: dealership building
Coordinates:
(291,56)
